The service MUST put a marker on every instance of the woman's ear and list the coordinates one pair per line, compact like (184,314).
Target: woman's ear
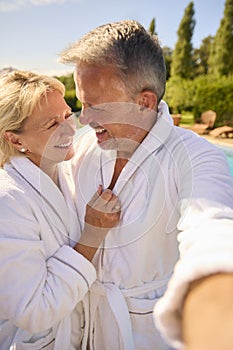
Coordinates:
(147,99)
(14,139)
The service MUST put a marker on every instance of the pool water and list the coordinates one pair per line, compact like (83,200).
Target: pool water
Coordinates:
(229,154)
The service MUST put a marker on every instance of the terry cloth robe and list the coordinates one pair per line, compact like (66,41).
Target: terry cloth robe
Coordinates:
(175,181)
(42,277)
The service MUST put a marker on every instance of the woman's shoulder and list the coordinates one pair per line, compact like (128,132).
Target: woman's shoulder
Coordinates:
(9,186)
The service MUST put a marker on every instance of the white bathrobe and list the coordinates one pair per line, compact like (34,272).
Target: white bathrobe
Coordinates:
(175,181)
(42,277)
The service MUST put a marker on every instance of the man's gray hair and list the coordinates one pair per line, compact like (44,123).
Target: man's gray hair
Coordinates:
(126,45)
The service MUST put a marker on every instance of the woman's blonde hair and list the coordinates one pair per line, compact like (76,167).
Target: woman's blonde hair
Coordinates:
(20,93)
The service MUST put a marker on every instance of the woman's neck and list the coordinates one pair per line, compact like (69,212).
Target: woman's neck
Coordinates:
(52,171)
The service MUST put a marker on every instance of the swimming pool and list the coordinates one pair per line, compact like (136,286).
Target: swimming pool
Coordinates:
(229,154)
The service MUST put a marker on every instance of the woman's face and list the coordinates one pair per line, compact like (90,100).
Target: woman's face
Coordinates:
(47,135)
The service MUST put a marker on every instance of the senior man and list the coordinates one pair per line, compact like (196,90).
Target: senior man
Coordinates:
(174,187)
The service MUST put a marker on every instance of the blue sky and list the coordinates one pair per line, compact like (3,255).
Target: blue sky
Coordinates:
(34,32)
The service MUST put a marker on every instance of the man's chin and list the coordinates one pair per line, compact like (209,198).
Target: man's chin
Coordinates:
(107,145)
(122,147)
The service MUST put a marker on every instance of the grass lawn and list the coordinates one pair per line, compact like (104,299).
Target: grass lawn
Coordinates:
(187,118)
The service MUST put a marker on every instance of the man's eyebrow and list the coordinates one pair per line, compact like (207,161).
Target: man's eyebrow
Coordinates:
(95,107)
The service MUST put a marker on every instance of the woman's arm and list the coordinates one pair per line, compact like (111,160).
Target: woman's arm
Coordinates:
(38,289)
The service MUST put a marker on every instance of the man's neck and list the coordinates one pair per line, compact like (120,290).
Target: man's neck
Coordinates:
(119,165)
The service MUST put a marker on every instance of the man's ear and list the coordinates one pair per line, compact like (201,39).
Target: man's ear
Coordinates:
(147,99)
(14,139)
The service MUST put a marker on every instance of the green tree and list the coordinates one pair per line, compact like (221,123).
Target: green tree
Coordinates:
(221,57)
(167,53)
(180,94)
(182,55)
(201,56)
(70,93)
(68,81)
(152,27)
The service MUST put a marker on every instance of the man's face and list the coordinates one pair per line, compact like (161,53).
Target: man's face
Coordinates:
(108,109)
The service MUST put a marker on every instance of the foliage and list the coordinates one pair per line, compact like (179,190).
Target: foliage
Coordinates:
(68,81)
(167,53)
(152,27)
(217,95)
(70,94)
(182,55)
(221,59)
(179,94)
(71,99)
(201,56)
(202,94)
(78,105)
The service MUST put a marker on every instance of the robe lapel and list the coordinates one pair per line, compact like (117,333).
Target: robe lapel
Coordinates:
(52,200)
(68,189)
(150,146)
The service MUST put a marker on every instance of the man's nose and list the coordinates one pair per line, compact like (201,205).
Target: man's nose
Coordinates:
(85,116)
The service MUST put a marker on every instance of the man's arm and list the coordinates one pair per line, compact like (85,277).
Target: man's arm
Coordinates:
(206,246)
(207,320)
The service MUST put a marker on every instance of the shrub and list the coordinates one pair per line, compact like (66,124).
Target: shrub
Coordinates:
(201,94)
(215,94)
(71,100)
(179,94)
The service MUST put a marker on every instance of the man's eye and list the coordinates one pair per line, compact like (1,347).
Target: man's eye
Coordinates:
(69,115)
(52,125)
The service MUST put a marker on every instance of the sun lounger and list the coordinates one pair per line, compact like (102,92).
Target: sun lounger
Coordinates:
(207,123)
(222,131)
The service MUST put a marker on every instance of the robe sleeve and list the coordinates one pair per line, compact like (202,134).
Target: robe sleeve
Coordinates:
(205,237)
(36,291)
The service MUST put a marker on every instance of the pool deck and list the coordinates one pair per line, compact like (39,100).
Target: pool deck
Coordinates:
(225,142)
(221,141)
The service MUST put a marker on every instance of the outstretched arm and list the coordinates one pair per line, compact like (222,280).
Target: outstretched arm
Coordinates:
(208,314)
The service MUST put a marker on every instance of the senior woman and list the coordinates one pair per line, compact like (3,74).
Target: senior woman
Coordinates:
(44,272)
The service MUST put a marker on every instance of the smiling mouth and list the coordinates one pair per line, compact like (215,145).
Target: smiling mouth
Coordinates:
(100,130)
(64,145)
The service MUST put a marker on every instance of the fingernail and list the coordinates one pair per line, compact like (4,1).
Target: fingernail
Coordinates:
(100,189)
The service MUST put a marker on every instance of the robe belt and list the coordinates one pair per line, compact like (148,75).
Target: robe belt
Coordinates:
(116,300)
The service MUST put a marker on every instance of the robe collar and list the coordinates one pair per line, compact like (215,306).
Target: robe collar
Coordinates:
(42,184)
(153,142)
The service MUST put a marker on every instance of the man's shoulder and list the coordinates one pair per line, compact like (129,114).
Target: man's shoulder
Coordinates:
(186,145)
(190,140)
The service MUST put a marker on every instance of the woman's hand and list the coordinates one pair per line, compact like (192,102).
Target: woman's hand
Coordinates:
(103,210)
(102,214)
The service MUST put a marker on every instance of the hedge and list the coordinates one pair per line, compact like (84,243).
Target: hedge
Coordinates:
(202,94)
